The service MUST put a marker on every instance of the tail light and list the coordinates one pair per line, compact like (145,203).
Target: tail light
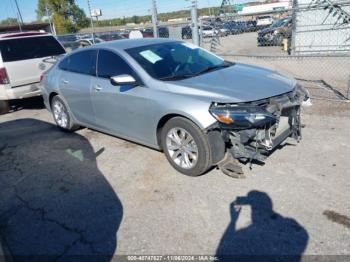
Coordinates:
(41,78)
(4,80)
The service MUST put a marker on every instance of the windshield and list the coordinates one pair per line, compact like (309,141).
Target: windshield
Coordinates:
(280,23)
(175,60)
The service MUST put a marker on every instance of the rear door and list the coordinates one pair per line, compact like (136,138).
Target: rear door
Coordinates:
(75,84)
(24,58)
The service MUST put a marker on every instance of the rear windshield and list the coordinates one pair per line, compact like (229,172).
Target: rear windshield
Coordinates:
(29,48)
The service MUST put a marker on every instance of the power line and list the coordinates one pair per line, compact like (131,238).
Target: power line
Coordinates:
(19,12)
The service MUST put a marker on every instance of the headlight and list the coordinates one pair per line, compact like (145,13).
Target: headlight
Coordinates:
(242,116)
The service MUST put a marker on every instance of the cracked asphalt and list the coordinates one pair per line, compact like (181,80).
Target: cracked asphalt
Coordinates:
(88,193)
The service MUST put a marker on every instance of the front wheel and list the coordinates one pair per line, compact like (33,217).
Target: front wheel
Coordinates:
(185,146)
(61,114)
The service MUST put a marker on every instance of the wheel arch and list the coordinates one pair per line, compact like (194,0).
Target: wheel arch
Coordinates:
(166,118)
(51,96)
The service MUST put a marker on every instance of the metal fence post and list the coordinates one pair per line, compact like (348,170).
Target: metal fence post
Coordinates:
(200,32)
(194,18)
(294,26)
(348,94)
(154,18)
(92,23)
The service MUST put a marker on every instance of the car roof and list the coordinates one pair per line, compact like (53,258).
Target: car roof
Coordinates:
(131,43)
(22,34)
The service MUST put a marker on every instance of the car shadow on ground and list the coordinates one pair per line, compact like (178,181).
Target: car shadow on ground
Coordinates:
(32,103)
(55,203)
(269,237)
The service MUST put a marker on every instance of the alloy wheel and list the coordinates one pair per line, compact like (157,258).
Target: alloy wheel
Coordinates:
(60,114)
(182,148)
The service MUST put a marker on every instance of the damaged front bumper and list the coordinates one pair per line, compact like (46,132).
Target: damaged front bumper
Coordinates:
(250,131)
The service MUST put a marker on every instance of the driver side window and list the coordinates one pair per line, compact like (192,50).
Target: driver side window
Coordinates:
(110,64)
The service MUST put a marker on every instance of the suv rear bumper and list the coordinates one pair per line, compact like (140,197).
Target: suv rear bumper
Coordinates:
(25,91)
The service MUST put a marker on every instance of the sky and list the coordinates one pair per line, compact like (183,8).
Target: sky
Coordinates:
(110,8)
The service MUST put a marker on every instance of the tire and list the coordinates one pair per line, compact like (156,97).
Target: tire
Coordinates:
(61,115)
(4,107)
(197,162)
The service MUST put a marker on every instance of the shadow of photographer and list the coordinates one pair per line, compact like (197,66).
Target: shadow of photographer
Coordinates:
(270,236)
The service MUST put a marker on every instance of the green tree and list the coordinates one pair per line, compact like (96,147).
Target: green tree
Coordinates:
(66,15)
(9,21)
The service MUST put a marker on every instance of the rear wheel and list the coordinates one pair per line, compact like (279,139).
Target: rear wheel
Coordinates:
(61,114)
(4,106)
(186,146)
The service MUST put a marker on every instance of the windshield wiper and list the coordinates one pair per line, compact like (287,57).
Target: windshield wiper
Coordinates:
(212,68)
(174,78)
(205,70)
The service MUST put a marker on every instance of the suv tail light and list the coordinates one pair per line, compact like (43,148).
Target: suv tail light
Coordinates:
(3,76)
(41,78)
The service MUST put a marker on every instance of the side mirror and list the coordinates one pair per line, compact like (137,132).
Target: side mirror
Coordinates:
(123,80)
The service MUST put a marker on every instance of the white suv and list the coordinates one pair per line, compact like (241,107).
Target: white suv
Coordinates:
(23,58)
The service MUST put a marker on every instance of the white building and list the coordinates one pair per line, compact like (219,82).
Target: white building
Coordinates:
(265,8)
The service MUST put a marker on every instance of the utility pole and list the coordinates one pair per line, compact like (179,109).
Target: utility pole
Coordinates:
(194,18)
(209,8)
(49,17)
(19,15)
(92,23)
(154,18)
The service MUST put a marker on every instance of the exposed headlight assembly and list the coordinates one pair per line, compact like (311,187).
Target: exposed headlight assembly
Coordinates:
(242,116)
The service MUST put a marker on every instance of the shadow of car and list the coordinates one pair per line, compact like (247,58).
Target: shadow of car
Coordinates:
(55,203)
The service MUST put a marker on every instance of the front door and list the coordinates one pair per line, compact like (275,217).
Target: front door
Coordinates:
(123,110)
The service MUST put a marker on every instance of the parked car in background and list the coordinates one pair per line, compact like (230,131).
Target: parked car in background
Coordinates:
(275,34)
(110,36)
(235,27)
(223,30)
(23,59)
(186,32)
(124,34)
(251,26)
(147,32)
(208,31)
(89,41)
(163,32)
(69,42)
(174,96)
(264,21)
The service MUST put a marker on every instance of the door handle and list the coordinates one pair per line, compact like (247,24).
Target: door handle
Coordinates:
(97,87)
(65,82)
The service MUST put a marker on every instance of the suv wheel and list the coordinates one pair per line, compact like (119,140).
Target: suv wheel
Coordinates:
(185,146)
(61,114)
(4,106)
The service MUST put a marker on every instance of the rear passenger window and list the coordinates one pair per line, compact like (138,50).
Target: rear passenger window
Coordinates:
(83,62)
(110,64)
(29,48)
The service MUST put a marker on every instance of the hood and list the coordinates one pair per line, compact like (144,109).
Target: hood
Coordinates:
(268,30)
(238,83)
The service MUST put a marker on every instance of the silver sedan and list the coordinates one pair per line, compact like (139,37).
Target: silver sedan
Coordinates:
(173,96)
